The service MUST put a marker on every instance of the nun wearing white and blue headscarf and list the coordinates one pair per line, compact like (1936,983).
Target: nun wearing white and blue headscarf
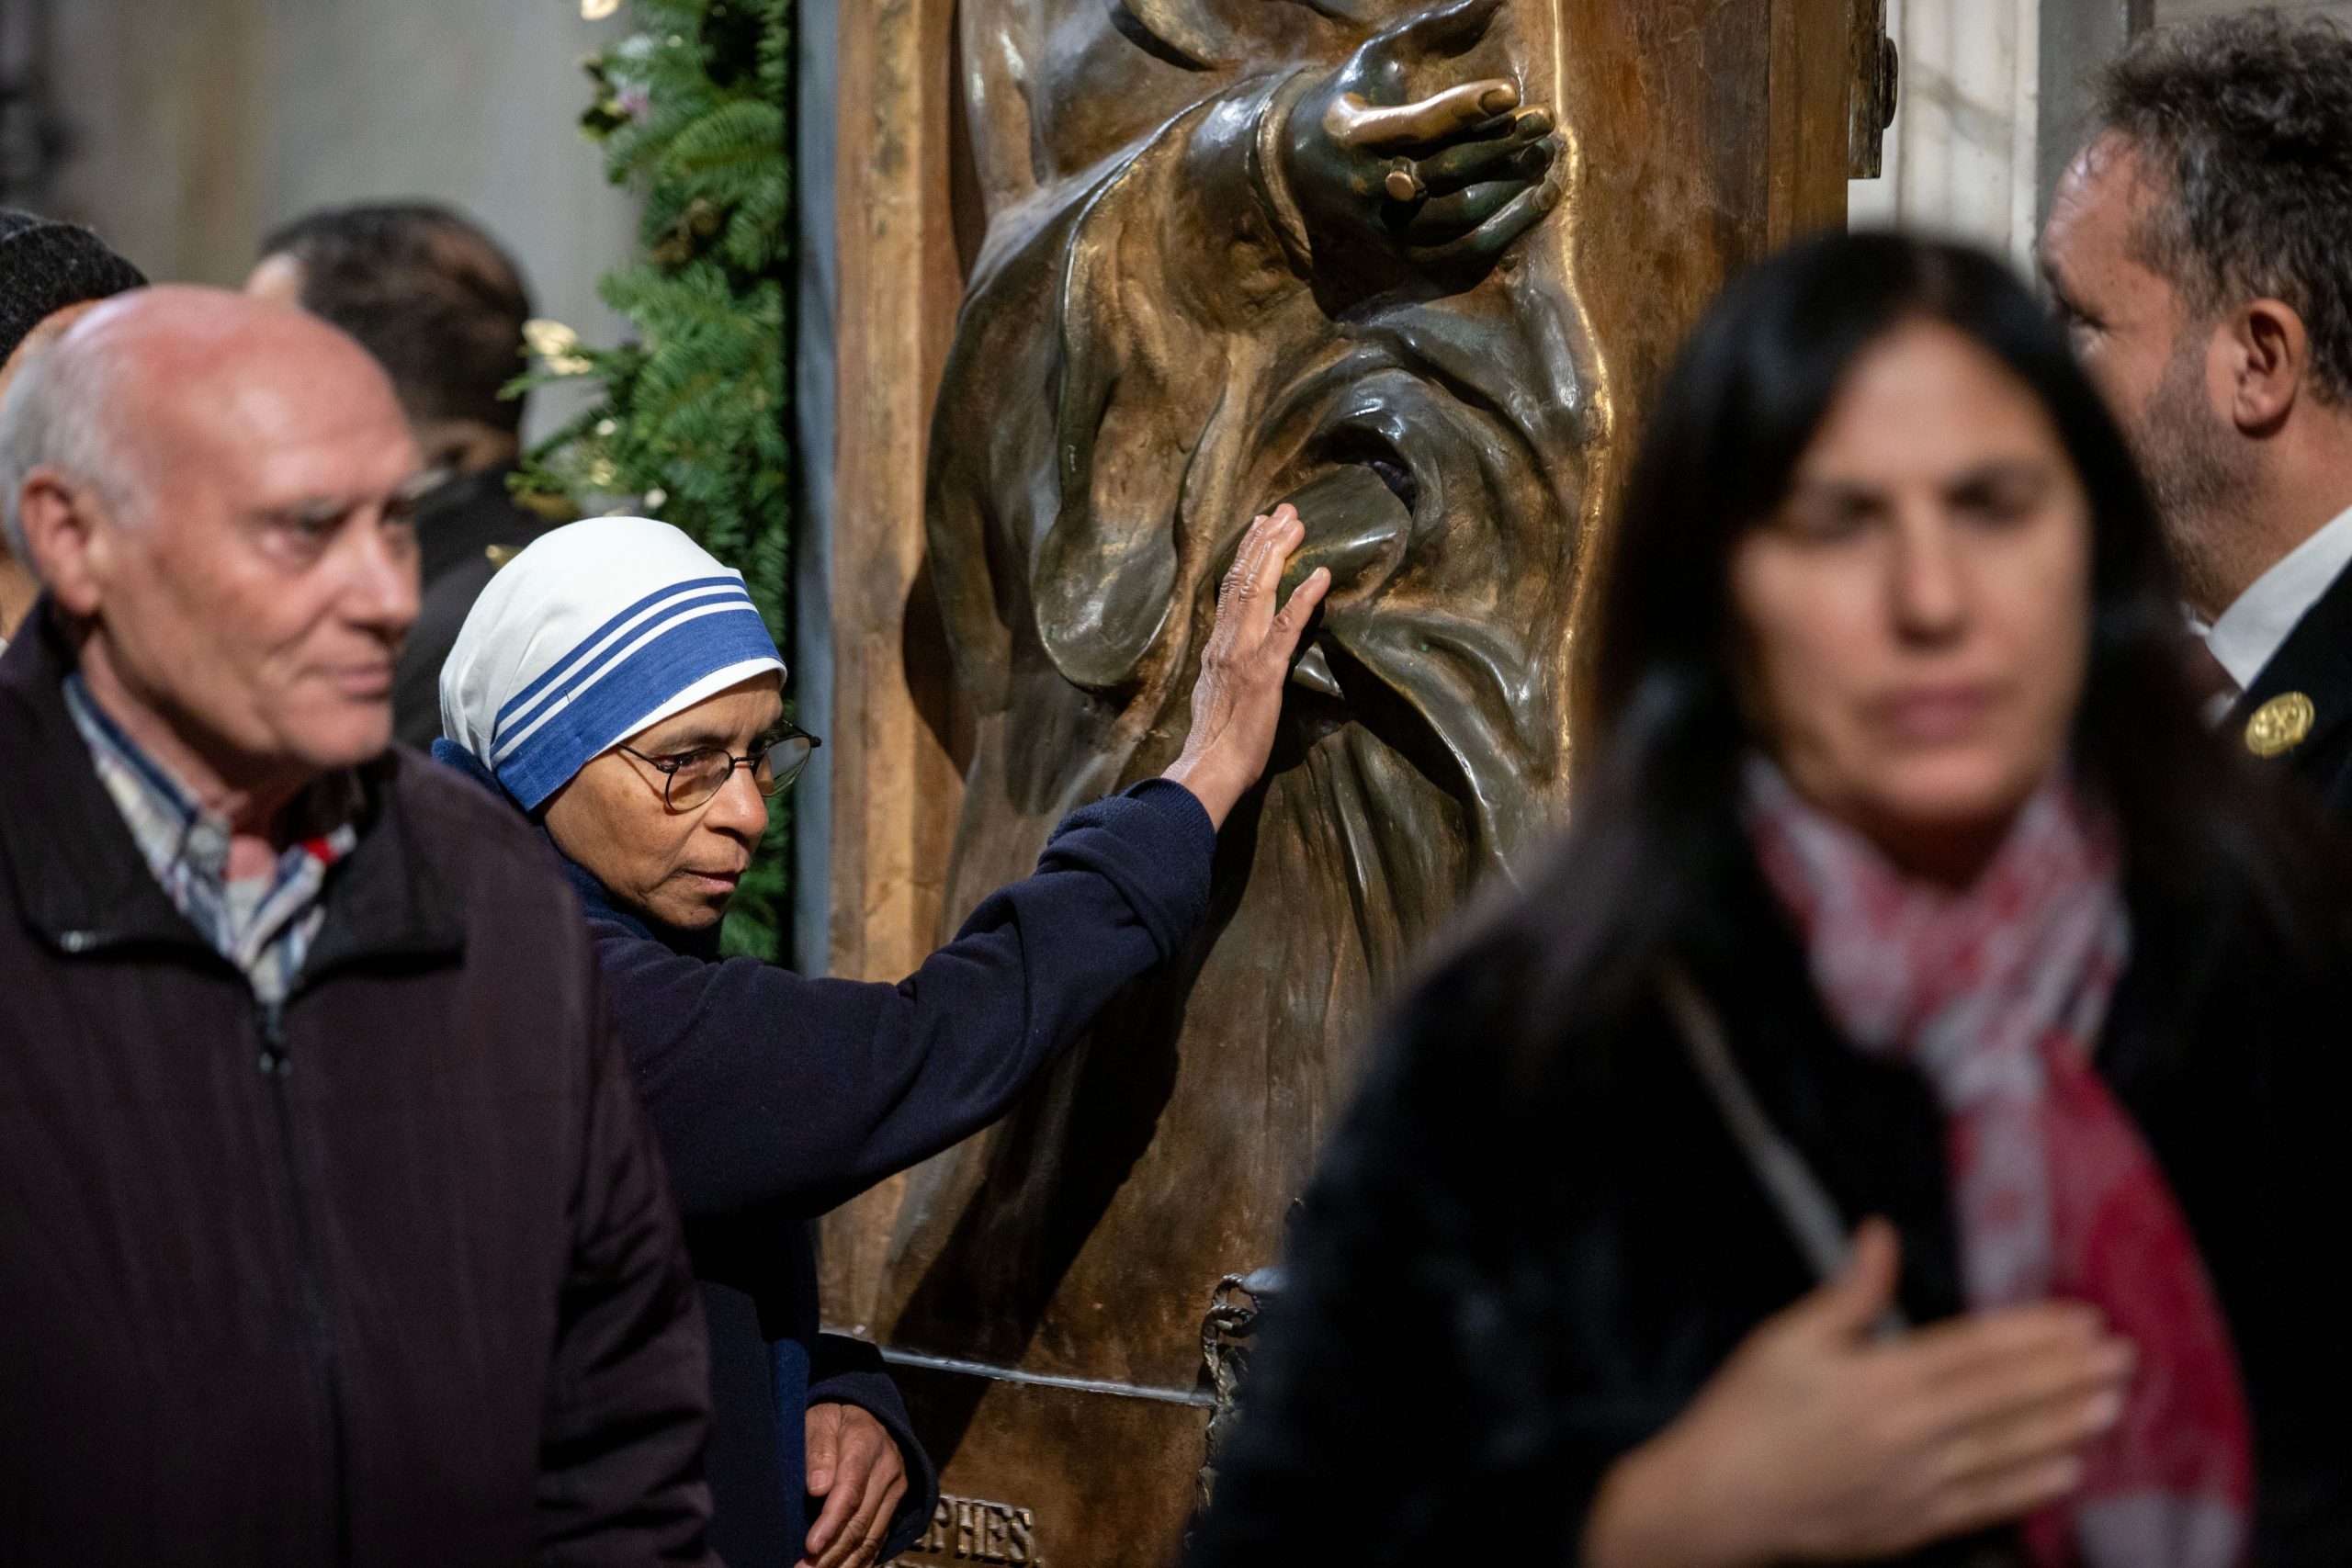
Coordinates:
(616,684)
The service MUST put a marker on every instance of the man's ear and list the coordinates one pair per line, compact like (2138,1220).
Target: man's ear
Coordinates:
(2266,356)
(70,543)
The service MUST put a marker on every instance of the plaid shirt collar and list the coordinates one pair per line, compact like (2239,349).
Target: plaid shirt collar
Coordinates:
(263,925)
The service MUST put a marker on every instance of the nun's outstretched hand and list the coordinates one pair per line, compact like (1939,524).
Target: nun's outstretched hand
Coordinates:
(1238,700)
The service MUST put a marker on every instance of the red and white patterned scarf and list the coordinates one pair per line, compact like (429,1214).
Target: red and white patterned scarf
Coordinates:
(1997,996)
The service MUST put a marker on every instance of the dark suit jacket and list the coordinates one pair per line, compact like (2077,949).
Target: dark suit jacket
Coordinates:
(2316,660)
(456,524)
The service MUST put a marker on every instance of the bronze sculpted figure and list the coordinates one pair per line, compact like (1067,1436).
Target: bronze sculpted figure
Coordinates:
(1238,252)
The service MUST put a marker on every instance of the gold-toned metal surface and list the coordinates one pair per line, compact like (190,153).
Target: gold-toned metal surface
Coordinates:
(2278,725)
(1197,295)
(972,1530)
(1093,1475)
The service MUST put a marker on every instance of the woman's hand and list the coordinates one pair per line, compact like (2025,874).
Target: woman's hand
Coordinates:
(856,1467)
(1238,698)
(1818,1442)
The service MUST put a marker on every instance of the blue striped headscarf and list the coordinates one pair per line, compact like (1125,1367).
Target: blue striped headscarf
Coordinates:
(596,631)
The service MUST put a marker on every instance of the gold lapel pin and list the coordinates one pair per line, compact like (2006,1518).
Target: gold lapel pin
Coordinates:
(2280,725)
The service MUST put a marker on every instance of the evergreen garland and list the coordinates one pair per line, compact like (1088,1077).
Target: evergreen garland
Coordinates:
(690,424)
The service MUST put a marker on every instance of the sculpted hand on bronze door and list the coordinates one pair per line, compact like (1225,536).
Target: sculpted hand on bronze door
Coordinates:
(1239,251)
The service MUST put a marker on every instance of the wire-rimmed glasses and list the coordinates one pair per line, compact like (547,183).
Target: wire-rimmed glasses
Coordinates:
(689,779)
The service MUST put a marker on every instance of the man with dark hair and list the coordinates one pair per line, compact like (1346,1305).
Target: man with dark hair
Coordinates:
(50,274)
(2200,251)
(442,307)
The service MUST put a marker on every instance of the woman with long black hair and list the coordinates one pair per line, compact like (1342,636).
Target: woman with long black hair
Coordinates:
(1903,1121)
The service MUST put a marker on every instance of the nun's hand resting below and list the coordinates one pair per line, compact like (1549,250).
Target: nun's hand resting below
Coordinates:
(856,1468)
(1238,698)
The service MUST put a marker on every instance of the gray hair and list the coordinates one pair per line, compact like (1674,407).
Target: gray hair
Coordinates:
(2245,123)
(57,416)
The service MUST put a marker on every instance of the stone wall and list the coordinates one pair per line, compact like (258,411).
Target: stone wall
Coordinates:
(1961,156)
(197,124)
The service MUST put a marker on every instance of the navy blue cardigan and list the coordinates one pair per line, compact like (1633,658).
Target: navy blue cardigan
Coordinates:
(776,1097)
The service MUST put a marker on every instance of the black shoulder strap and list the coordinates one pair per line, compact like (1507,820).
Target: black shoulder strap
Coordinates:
(1795,1194)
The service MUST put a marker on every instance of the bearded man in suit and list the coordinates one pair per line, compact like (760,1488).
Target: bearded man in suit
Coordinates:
(2196,250)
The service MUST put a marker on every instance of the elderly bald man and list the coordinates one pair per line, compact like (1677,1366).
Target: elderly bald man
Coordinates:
(330,1229)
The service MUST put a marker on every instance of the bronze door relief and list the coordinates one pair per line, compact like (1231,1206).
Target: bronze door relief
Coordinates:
(1400,263)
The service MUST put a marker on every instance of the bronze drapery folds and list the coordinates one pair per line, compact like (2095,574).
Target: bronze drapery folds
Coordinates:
(1394,260)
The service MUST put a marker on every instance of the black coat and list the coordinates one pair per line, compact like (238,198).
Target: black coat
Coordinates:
(1527,1253)
(395,1281)
(777,1096)
(458,523)
(2315,661)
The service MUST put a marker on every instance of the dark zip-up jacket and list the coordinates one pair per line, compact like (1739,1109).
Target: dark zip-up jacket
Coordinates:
(388,1276)
(777,1096)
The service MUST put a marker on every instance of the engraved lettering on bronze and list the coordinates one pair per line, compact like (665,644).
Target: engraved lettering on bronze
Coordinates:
(970,1530)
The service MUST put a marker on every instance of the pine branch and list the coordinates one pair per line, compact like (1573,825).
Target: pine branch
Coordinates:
(689,424)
